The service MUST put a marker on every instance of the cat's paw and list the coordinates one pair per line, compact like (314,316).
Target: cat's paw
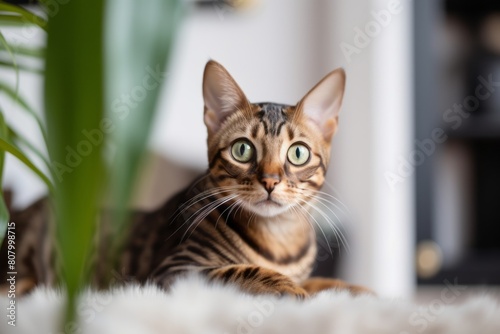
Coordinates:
(23,287)
(257,280)
(293,291)
(317,284)
(280,290)
(282,286)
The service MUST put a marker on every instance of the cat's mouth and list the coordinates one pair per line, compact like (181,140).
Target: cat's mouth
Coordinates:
(269,201)
(268,207)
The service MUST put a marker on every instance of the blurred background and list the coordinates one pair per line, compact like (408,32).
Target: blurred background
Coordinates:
(416,160)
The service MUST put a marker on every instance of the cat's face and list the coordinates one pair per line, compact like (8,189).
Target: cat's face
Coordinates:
(268,157)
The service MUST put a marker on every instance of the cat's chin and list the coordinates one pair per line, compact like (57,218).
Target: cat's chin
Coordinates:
(268,208)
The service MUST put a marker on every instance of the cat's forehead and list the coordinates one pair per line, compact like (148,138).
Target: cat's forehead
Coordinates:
(273,116)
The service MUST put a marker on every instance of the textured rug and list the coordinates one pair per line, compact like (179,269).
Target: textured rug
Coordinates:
(194,306)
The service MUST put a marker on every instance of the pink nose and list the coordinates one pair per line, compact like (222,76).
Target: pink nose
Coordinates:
(269,181)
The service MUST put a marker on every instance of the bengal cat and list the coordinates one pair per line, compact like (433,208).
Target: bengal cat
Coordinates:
(245,222)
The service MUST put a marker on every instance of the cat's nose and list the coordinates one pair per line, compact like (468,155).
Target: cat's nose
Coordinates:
(269,181)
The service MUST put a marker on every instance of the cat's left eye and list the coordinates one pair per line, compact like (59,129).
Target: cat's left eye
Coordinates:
(298,154)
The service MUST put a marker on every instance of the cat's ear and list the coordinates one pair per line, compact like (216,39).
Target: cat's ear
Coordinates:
(322,103)
(221,94)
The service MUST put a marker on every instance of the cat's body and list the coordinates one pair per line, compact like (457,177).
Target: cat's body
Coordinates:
(247,220)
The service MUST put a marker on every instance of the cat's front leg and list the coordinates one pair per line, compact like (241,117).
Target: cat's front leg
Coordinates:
(316,284)
(256,280)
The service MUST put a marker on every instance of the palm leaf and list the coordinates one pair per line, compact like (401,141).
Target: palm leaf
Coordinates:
(20,67)
(4,212)
(6,46)
(22,50)
(73,103)
(139,41)
(11,21)
(10,92)
(7,146)
(19,141)
(23,14)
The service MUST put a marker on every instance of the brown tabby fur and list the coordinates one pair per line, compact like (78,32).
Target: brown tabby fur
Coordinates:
(241,223)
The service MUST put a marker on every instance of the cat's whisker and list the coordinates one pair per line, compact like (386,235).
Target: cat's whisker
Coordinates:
(241,207)
(332,188)
(212,192)
(194,214)
(322,193)
(337,232)
(238,205)
(214,189)
(208,207)
(208,195)
(199,219)
(319,226)
(252,215)
(307,220)
(296,211)
(321,200)
(230,208)
(198,181)
(343,212)
(196,199)
(338,224)
(336,199)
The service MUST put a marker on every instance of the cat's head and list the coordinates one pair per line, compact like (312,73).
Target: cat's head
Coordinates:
(269,157)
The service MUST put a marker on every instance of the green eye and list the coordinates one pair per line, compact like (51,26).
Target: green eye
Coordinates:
(298,154)
(242,151)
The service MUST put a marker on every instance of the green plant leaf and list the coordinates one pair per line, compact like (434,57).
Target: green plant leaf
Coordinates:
(4,218)
(19,140)
(10,92)
(24,51)
(20,67)
(138,44)
(11,21)
(73,104)
(4,212)
(7,146)
(4,132)
(26,16)
(6,45)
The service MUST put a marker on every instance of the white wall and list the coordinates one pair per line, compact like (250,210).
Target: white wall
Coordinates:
(375,130)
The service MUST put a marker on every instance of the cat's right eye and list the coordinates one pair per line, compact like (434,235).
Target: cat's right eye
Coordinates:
(242,151)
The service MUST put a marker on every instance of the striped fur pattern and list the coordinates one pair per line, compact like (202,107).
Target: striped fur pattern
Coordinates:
(247,220)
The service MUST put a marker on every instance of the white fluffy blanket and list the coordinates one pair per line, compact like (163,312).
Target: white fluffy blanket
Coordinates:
(193,306)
